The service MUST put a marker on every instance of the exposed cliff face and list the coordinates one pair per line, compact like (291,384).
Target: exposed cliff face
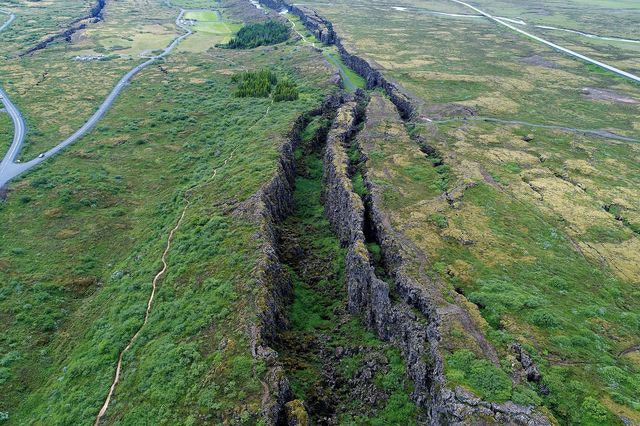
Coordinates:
(403,313)
(269,206)
(394,321)
(320,27)
(399,308)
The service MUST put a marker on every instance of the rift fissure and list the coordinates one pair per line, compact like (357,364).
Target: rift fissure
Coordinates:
(337,370)
(402,313)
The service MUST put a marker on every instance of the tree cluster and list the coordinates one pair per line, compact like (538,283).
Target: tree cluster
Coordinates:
(260,34)
(261,84)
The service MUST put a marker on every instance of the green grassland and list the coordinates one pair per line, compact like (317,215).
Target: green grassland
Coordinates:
(350,79)
(57,94)
(536,236)
(36,21)
(83,235)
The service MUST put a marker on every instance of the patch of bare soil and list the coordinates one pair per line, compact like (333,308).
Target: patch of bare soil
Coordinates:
(442,111)
(608,95)
(539,61)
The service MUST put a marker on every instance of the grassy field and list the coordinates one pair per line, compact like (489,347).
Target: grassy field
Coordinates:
(83,235)
(532,232)
(56,93)
(531,235)
(350,79)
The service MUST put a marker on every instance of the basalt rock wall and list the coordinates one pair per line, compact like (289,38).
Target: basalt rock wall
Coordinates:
(319,26)
(323,30)
(268,207)
(367,294)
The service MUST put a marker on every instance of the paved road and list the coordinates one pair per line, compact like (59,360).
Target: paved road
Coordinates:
(9,169)
(553,45)
(9,21)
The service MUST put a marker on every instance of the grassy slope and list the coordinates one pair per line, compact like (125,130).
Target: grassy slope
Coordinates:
(83,235)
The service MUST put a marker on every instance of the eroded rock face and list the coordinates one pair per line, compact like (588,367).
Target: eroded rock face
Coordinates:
(268,207)
(369,295)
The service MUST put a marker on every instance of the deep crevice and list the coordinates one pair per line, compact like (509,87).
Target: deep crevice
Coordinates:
(338,371)
(94,16)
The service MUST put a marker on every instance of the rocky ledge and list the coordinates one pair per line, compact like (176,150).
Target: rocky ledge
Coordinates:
(268,207)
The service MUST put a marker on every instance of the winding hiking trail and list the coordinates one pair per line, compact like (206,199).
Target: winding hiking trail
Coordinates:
(10,169)
(161,273)
(154,286)
(285,13)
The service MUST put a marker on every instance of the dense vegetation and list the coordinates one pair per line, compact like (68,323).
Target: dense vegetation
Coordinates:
(254,84)
(261,84)
(67,315)
(285,91)
(259,34)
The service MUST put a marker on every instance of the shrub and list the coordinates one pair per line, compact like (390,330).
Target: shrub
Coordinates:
(285,91)
(594,412)
(439,220)
(42,182)
(487,380)
(525,396)
(261,34)
(544,319)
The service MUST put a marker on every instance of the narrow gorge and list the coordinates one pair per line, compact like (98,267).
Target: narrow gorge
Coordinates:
(308,317)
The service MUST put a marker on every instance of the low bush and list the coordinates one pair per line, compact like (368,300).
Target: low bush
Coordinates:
(487,380)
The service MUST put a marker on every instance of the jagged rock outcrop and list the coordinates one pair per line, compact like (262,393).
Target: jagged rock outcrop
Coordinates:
(369,295)
(406,315)
(268,207)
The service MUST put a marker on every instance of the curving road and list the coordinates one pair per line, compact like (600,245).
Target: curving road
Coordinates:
(9,169)
(553,45)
